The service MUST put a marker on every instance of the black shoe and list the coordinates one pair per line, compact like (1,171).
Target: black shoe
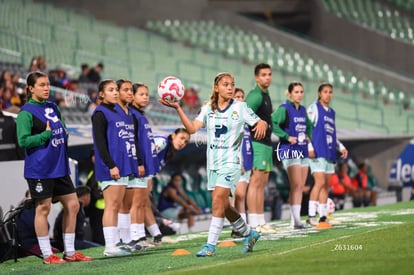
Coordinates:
(158,239)
(235,234)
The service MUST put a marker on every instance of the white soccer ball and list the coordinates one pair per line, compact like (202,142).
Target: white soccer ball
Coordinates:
(331,206)
(171,89)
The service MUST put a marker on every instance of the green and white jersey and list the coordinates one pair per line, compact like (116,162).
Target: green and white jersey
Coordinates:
(225,130)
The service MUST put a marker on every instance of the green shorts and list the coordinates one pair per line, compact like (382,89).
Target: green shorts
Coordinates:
(225,177)
(262,156)
(321,165)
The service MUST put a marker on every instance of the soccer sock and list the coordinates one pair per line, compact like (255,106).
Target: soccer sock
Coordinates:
(262,220)
(110,236)
(322,209)
(154,230)
(216,226)
(45,247)
(241,227)
(253,219)
(69,243)
(124,224)
(243,215)
(295,214)
(312,208)
(137,231)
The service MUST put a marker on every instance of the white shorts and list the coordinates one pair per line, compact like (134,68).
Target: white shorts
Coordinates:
(224,177)
(289,162)
(323,165)
(246,176)
(138,182)
(122,181)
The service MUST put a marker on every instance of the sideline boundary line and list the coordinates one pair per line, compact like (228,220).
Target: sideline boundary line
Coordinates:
(197,267)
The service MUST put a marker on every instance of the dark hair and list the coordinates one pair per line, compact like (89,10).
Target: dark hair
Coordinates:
(292,85)
(136,86)
(175,174)
(31,81)
(102,86)
(84,66)
(82,190)
(323,85)
(361,165)
(260,67)
(214,95)
(119,82)
(238,90)
(171,151)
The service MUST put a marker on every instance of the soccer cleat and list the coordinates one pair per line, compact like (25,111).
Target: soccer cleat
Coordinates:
(134,246)
(53,259)
(166,239)
(77,257)
(323,225)
(312,221)
(300,226)
(207,251)
(116,251)
(157,240)
(144,243)
(122,245)
(265,229)
(331,220)
(250,240)
(235,234)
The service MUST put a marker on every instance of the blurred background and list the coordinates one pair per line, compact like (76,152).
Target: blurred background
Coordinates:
(365,48)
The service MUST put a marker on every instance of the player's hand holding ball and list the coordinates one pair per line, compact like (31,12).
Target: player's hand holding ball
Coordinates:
(170,91)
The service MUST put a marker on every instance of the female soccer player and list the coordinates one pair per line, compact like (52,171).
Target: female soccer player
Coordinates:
(148,155)
(131,216)
(113,144)
(322,152)
(224,119)
(42,132)
(292,125)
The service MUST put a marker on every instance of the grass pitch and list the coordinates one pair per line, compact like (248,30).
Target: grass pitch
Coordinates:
(372,240)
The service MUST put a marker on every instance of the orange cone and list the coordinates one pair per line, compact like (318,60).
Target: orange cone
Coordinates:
(180,252)
(227,243)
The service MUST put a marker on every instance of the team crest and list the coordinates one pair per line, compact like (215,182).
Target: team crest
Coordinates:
(39,187)
(235,115)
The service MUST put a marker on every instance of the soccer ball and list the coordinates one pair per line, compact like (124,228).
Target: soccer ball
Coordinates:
(171,89)
(331,206)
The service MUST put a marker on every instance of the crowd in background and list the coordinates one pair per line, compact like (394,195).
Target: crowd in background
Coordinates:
(12,84)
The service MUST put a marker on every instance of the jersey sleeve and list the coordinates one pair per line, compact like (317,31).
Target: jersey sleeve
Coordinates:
(26,139)
(249,116)
(278,118)
(202,116)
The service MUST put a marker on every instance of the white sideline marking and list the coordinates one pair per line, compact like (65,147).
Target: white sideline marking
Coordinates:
(343,217)
(325,242)
(286,251)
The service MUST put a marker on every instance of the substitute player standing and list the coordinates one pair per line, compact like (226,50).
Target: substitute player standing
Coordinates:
(322,153)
